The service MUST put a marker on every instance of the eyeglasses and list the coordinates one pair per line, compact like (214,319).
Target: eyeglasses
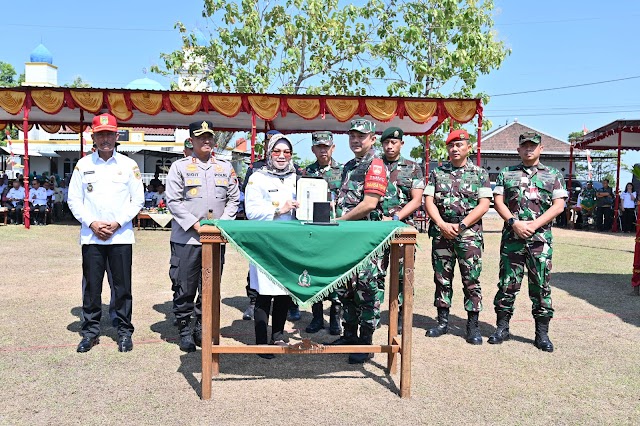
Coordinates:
(278,153)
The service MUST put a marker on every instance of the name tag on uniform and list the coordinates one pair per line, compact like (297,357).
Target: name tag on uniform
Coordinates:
(273,190)
(89,172)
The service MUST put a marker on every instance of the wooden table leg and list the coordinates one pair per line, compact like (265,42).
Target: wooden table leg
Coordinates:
(407,322)
(215,305)
(392,358)
(207,284)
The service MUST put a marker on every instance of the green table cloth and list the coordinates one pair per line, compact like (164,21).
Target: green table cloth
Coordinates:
(308,261)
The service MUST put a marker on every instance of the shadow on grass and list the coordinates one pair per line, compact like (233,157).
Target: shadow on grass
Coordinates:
(609,292)
(106,327)
(165,328)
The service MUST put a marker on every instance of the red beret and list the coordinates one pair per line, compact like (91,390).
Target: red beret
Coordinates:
(458,135)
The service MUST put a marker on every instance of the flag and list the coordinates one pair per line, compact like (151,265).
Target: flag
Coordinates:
(584,130)
(589,167)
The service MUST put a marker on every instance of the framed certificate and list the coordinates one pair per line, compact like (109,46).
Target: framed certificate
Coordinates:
(310,190)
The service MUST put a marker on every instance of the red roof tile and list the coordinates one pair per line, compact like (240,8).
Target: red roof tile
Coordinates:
(506,139)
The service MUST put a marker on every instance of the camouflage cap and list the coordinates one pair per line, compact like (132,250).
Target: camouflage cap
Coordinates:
(530,137)
(363,126)
(322,138)
(188,144)
(392,133)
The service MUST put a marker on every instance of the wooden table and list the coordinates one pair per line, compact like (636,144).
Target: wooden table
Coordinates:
(145,215)
(211,239)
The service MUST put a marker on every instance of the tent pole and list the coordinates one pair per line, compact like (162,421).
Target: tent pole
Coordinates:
(616,203)
(253,136)
(81,134)
(427,156)
(570,189)
(25,131)
(479,139)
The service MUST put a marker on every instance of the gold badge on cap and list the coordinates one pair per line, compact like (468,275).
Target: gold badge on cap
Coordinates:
(396,134)
(104,119)
(204,126)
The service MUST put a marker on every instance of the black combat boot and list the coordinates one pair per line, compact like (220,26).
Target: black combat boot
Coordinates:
(636,290)
(542,341)
(350,336)
(366,338)
(186,338)
(335,328)
(473,332)
(502,330)
(443,324)
(197,333)
(317,323)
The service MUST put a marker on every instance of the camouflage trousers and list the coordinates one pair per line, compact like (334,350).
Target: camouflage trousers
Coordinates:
(364,293)
(515,254)
(467,249)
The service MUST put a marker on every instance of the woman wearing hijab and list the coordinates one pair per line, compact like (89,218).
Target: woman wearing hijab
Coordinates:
(270,195)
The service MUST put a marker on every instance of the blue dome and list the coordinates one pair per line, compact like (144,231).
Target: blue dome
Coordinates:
(144,84)
(41,54)
(201,39)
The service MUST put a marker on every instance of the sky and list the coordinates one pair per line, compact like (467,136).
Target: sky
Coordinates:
(554,44)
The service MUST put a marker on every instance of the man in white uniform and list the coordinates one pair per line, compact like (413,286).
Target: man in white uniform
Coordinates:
(105,194)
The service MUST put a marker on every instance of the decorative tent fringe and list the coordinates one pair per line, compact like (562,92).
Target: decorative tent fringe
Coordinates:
(342,280)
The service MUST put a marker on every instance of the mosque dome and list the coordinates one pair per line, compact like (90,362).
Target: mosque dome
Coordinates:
(144,84)
(41,54)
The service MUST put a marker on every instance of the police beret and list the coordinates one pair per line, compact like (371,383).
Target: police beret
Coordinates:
(392,133)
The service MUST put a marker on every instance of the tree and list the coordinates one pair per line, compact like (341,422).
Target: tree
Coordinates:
(416,48)
(258,46)
(78,82)
(603,163)
(8,76)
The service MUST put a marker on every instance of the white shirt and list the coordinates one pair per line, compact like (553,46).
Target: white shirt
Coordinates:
(107,191)
(263,195)
(16,193)
(627,201)
(38,196)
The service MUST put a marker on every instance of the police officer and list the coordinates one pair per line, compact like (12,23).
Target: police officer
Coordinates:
(105,194)
(457,196)
(326,167)
(404,192)
(364,182)
(198,187)
(528,197)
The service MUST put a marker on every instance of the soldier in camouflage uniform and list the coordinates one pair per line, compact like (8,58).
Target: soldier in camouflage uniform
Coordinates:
(458,194)
(329,169)
(404,192)
(528,197)
(364,182)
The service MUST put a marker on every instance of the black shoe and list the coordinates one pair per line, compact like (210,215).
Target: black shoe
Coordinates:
(267,356)
(350,336)
(542,341)
(335,328)
(125,344)
(315,325)
(473,332)
(197,333)
(87,343)
(187,344)
(502,331)
(294,313)
(248,313)
(366,338)
(443,324)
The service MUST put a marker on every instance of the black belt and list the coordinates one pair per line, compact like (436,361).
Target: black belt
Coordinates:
(453,219)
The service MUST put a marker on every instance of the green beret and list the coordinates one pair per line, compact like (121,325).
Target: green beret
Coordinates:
(392,133)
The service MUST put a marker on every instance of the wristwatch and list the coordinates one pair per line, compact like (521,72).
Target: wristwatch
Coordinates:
(277,212)
(462,226)
(511,221)
(395,217)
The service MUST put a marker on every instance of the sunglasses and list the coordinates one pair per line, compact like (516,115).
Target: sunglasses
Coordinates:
(278,153)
